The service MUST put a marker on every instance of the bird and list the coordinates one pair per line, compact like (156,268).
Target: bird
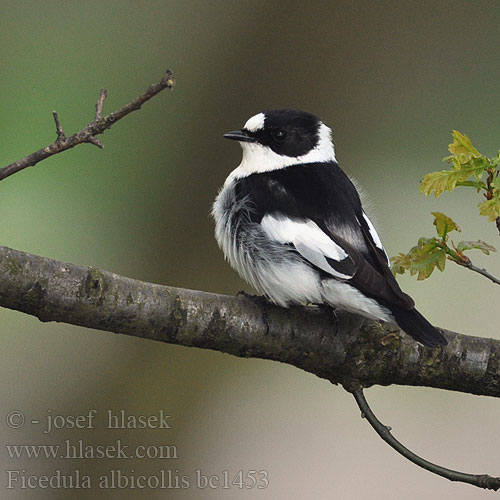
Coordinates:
(291,222)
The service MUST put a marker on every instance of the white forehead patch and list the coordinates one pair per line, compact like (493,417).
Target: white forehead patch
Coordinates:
(255,123)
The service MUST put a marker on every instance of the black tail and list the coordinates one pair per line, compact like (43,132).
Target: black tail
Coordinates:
(414,324)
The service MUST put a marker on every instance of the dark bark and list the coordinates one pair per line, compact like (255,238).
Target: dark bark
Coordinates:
(353,352)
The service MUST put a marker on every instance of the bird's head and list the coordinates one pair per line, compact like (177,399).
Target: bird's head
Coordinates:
(277,138)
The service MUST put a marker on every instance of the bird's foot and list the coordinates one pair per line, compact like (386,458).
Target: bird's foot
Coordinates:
(260,300)
(330,311)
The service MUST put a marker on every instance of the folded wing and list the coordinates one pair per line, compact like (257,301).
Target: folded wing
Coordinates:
(336,257)
(313,244)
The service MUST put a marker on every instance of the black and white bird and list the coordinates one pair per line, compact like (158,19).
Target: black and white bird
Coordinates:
(290,221)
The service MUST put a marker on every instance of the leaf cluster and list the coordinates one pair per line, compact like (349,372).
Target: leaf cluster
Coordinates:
(469,168)
(431,253)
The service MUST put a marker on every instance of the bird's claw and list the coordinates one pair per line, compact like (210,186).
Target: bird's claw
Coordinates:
(260,300)
(330,311)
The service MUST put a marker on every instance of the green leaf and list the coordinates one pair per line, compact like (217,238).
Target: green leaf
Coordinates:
(466,163)
(475,167)
(448,180)
(401,263)
(475,184)
(438,182)
(479,244)
(444,224)
(490,208)
(425,262)
(421,260)
(461,144)
(495,160)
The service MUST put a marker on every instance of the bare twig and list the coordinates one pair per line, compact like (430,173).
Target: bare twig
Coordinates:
(469,265)
(95,141)
(100,104)
(88,134)
(61,136)
(479,480)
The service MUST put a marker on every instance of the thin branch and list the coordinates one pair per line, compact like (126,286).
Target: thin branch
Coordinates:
(59,130)
(88,134)
(100,104)
(354,350)
(463,260)
(469,265)
(479,480)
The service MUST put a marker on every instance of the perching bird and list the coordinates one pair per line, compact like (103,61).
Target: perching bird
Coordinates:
(290,221)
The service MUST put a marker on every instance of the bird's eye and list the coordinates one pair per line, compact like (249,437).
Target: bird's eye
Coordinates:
(279,135)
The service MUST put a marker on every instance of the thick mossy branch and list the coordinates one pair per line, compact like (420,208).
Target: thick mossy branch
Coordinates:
(354,352)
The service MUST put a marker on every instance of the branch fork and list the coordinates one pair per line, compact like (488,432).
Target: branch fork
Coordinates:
(88,134)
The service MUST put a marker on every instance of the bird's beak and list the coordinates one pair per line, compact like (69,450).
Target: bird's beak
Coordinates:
(239,135)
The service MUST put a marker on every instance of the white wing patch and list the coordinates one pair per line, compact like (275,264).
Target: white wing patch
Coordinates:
(255,123)
(375,236)
(309,240)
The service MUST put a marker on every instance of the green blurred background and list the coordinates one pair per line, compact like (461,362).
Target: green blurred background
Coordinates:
(391,78)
